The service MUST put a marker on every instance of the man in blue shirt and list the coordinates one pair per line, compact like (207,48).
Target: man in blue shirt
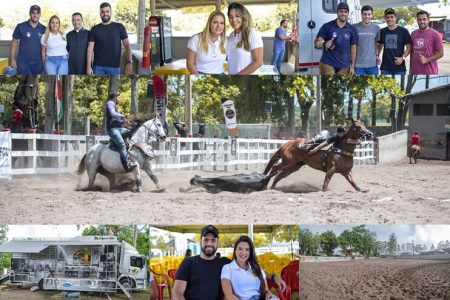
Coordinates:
(338,39)
(279,44)
(27,37)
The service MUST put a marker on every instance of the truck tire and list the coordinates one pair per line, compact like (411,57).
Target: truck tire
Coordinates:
(41,284)
(128,283)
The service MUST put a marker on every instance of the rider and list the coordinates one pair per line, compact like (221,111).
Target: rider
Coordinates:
(114,124)
(337,139)
(415,139)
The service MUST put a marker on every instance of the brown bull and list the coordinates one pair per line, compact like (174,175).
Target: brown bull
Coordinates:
(336,160)
(413,153)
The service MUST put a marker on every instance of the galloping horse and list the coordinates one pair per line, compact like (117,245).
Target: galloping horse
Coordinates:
(413,153)
(335,160)
(101,159)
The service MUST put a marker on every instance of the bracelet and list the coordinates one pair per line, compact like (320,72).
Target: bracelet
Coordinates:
(130,62)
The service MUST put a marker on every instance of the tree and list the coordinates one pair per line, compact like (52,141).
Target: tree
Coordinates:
(5,258)
(1,22)
(308,243)
(382,84)
(328,241)
(304,88)
(392,244)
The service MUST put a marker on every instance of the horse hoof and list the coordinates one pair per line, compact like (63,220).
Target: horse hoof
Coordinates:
(160,190)
(357,189)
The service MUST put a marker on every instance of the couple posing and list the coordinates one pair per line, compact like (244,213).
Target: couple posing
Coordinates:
(207,277)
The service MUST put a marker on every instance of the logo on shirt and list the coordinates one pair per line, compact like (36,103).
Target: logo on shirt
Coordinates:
(347,36)
(419,43)
(391,41)
(28,34)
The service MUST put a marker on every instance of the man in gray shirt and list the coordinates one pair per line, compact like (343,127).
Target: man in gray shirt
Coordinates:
(367,57)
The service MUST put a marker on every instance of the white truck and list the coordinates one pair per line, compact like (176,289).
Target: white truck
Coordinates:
(84,263)
(313,14)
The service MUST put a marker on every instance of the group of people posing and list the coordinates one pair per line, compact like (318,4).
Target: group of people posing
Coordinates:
(50,50)
(356,49)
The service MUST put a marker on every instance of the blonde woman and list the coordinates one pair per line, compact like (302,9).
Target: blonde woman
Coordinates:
(244,45)
(54,52)
(206,50)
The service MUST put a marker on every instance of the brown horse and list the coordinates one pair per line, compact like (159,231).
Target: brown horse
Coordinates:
(335,160)
(413,153)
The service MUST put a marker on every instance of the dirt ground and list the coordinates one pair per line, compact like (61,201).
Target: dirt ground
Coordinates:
(397,193)
(386,278)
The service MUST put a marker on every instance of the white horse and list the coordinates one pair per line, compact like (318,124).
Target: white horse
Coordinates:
(101,159)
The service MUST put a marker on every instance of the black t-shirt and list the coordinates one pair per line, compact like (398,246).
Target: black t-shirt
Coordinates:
(202,277)
(336,140)
(394,42)
(107,48)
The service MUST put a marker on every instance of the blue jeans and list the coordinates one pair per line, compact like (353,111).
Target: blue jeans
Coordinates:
(366,71)
(386,72)
(106,70)
(56,65)
(115,134)
(277,58)
(29,67)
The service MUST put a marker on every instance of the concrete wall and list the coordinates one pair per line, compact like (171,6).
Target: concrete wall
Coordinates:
(392,147)
(431,128)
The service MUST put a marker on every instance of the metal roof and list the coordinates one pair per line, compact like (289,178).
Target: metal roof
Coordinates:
(24,246)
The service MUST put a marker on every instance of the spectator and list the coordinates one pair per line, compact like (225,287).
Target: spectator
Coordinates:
(279,44)
(77,41)
(427,47)
(17,116)
(54,52)
(28,33)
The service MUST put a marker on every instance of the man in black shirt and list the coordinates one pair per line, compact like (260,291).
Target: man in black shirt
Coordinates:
(335,139)
(198,277)
(104,45)
(77,41)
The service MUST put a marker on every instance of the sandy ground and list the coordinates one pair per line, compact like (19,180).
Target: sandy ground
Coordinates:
(394,193)
(376,279)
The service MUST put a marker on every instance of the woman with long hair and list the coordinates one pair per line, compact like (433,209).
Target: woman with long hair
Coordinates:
(54,52)
(206,50)
(244,46)
(243,278)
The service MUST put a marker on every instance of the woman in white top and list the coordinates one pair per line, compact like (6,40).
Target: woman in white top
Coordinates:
(244,45)
(54,52)
(243,278)
(206,50)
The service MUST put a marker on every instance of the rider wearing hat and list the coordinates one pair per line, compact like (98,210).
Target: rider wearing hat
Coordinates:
(335,139)
(114,125)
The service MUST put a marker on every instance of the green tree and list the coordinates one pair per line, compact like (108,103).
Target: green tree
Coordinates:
(328,241)
(379,85)
(227,240)
(308,243)
(5,258)
(1,22)
(407,13)
(304,88)
(392,244)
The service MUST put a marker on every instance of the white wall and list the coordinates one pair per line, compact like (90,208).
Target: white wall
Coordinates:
(393,147)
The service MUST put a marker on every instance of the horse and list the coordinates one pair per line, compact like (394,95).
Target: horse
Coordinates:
(294,155)
(101,159)
(413,153)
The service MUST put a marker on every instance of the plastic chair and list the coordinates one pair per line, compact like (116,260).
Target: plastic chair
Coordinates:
(162,281)
(172,273)
(289,275)
(283,296)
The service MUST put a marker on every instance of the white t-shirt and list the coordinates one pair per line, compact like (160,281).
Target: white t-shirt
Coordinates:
(56,46)
(211,62)
(245,284)
(238,57)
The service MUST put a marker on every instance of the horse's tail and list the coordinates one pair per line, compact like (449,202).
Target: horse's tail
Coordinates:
(275,157)
(81,166)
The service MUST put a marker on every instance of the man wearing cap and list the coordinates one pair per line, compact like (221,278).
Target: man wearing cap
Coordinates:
(335,139)
(395,41)
(27,37)
(77,41)
(114,125)
(338,40)
(198,277)
(104,50)
(427,47)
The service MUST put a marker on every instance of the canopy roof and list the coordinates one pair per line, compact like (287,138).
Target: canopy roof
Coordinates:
(221,228)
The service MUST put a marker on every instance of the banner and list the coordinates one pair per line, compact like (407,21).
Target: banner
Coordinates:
(5,155)
(159,91)
(230,114)
(58,99)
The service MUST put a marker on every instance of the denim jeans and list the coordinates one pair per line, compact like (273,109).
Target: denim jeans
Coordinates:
(386,72)
(115,134)
(29,67)
(366,71)
(106,70)
(56,65)
(277,58)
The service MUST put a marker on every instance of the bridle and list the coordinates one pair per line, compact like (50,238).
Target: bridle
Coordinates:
(153,132)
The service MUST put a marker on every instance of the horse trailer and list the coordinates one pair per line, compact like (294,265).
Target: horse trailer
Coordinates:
(313,14)
(84,263)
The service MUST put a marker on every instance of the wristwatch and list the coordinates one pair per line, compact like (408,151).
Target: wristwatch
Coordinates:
(130,62)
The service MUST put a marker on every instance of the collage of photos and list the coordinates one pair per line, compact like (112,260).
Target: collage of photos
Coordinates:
(250,150)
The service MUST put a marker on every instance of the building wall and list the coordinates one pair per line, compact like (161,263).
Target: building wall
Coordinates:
(392,147)
(431,128)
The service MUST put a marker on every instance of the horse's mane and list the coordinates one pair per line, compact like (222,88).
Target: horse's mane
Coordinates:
(134,124)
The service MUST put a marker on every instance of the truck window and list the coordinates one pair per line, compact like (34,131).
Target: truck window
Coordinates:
(136,261)
(329,6)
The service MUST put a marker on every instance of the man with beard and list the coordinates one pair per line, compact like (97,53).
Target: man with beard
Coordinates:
(338,40)
(77,41)
(427,47)
(198,277)
(27,36)
(104,45)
